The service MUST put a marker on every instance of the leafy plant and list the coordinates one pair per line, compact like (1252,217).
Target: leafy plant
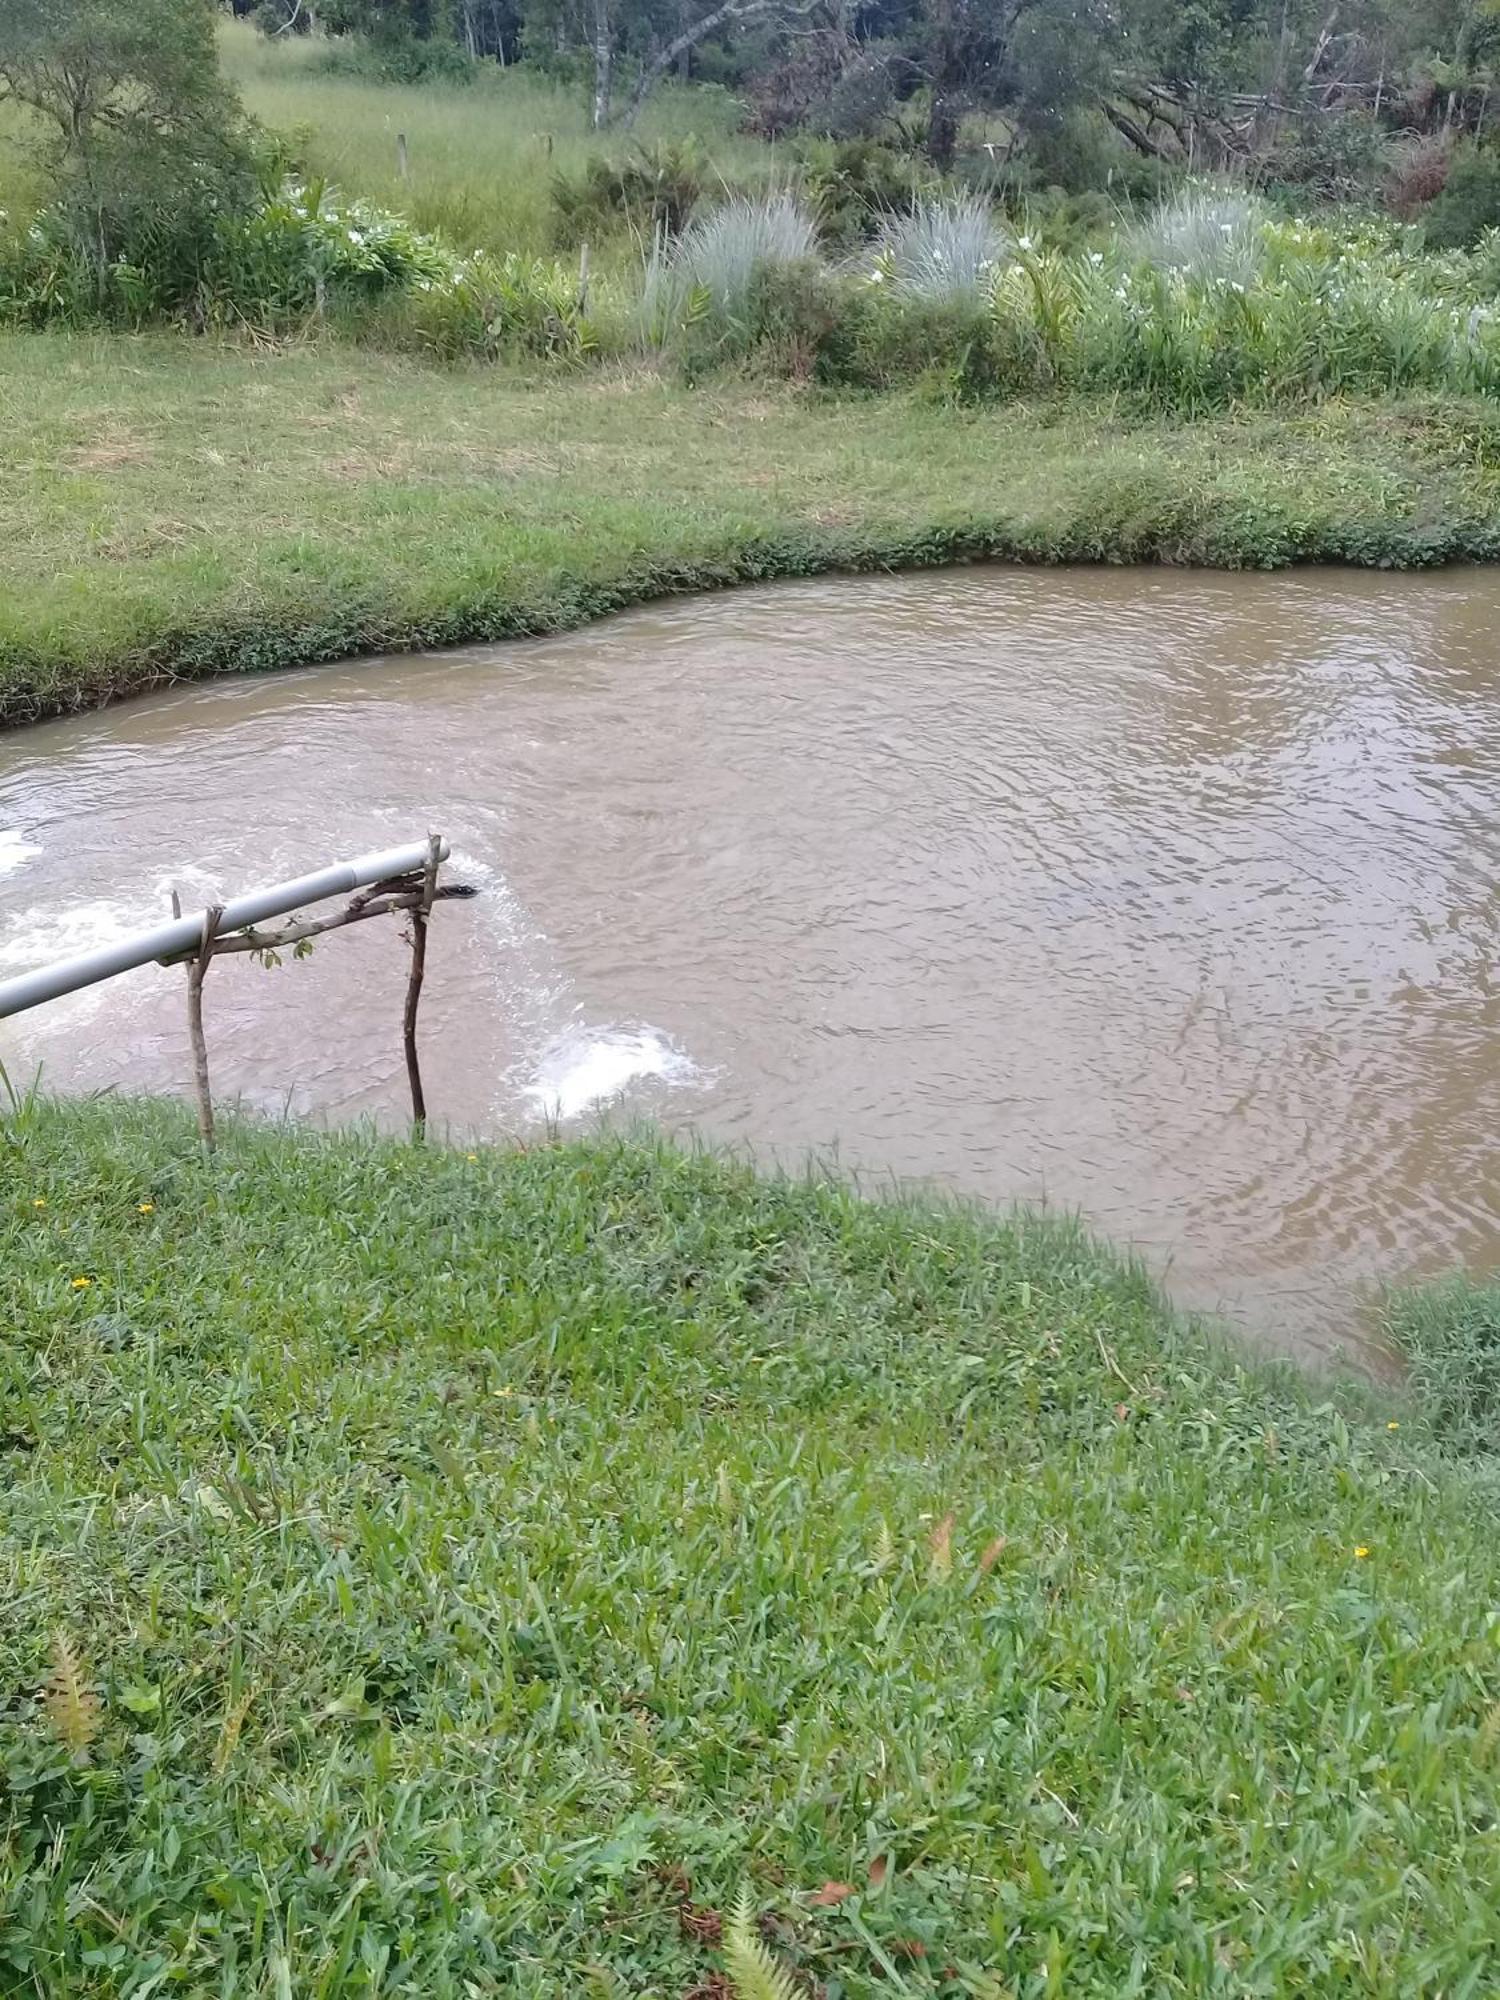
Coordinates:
(655,188)
(753,1973)
(71,1706)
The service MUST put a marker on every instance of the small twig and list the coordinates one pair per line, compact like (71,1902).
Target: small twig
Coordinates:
(1107,1357)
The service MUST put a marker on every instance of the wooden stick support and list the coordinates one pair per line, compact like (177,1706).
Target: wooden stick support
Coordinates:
(409,892)
(421,911)
(197,970)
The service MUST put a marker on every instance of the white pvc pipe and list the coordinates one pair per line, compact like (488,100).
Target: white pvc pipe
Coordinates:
(68,975)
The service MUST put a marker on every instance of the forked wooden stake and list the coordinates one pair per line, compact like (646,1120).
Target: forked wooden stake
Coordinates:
(413,893)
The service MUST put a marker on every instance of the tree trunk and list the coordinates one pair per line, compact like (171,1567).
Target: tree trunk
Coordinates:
(942,129)
(604,63)
(653,72)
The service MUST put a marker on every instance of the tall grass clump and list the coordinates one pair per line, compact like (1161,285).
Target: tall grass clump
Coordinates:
(945,248)
(706,283)
(722,253)
(1204,233)
(1449,1333)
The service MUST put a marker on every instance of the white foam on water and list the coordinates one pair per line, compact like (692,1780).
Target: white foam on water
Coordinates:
(48,930)
(15,850)
(587,1067)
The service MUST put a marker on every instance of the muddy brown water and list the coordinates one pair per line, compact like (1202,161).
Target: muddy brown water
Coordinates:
(1171,898)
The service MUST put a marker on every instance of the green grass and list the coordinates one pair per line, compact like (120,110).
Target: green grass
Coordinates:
(487,1564)
(482,155)
(172,507)
(1449,1333)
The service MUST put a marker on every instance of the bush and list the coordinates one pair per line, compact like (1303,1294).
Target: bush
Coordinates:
(1417,177)
(303,248)
(655,188)
(399,57)
(857,185)
(1469,203)
(951,347)
(489,307)
(1343,156)
(1449,1334)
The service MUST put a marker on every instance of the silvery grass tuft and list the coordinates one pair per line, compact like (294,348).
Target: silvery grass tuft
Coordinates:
(719,255)
(945,248)
(1206,233)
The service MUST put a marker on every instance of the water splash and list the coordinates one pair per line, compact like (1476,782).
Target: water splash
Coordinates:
(15,850)
(588,1067)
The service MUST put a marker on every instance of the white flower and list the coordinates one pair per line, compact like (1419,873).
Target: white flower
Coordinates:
(1023,242)
(355,237)
(1096,258)
(877,277)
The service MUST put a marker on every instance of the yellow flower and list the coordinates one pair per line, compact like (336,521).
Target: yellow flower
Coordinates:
(1393,1425)
(1360,1552)
(145,1208)
(82,1284)
(471,1156)
(506,1391)
(40,1201)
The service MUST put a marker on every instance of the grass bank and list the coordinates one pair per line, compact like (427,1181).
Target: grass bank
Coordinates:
(171,508)
(471,1569)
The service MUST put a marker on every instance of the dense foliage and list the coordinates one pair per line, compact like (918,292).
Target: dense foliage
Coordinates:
(1328,95)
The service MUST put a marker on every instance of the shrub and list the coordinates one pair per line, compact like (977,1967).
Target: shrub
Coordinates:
(952,347)
(1469,203)
(303,247)
(397,56)
(1417,177)
(488,307)
(655,188)
(1339,157)
(141,142)
(724,251)
(856,185)
(942,249)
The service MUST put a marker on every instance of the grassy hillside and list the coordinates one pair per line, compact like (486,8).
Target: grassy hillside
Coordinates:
(470,1570)
(178,507)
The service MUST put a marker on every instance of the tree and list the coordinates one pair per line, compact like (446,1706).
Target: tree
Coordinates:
(697,28)
(137,119)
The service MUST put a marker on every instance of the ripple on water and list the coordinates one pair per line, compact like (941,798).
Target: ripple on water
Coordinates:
(1167,897)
